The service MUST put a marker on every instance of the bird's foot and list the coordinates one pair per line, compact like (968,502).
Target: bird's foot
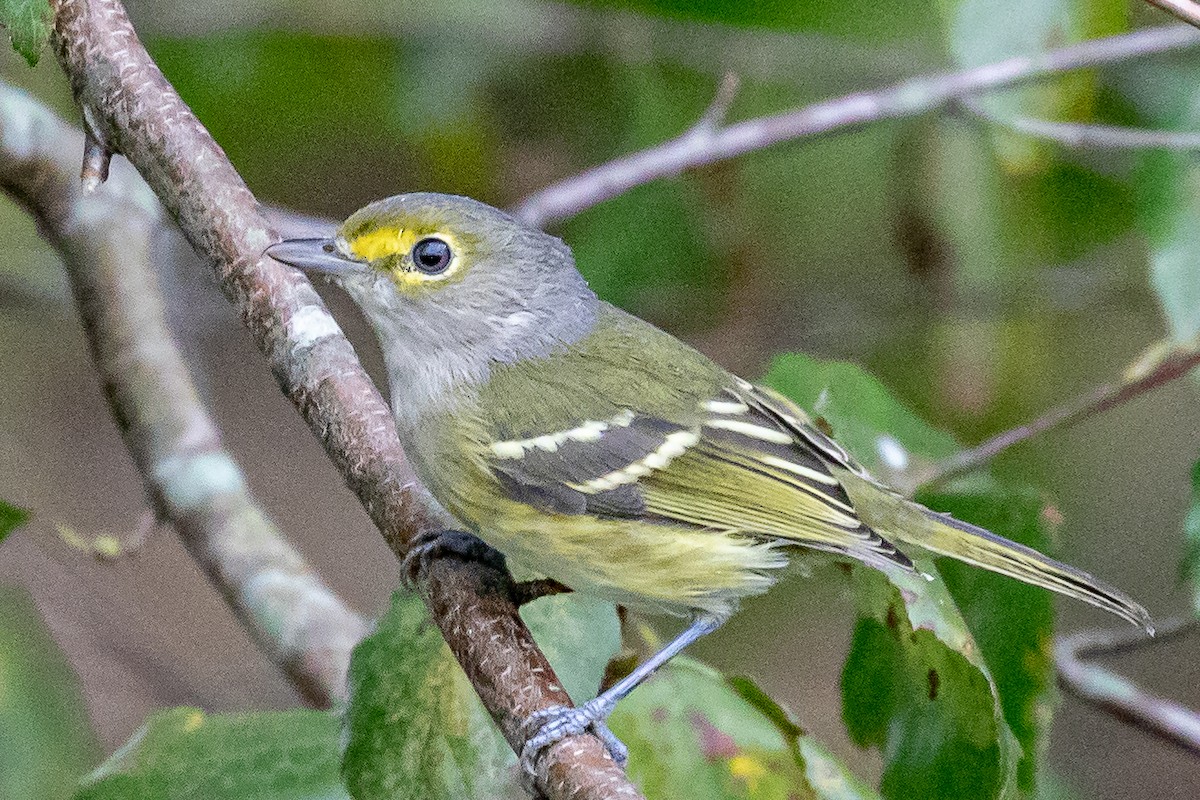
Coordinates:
(440,544)
(558,722)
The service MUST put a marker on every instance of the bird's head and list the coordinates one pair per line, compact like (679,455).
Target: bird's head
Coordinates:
(451,285)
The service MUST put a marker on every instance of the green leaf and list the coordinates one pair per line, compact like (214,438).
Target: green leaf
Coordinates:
(45,739)
(28,23)
(185,753)
(691,733)
(415,727)
(11,518)
(1015,646)
(896,677)
(579,635)
(1170,205)
(915,686)
(954,715)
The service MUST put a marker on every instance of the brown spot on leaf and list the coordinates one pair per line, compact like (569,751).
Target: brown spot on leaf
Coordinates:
(934,680)
(715,745)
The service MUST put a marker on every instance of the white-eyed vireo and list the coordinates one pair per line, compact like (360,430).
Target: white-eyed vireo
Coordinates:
(590,447)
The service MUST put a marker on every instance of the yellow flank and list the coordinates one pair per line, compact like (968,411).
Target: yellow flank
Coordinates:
(381,243)
(668,568)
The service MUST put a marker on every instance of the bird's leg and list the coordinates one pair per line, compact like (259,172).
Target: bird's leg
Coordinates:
(558,722)
(439,544)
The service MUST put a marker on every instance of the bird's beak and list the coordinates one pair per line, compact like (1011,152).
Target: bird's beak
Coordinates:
(315,255)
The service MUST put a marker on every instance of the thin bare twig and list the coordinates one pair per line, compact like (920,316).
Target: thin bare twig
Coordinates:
(1173,362)
(700,146)
(1088,135)
(139,115)
(1186,10)
(1117,694)
(104,236)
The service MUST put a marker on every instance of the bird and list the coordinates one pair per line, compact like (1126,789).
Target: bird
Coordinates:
(592,448)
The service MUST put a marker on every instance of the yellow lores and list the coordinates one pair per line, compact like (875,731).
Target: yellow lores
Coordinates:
(380,243)
(595,449)
(387,245)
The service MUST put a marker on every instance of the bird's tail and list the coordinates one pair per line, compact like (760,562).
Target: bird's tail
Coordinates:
(910,523)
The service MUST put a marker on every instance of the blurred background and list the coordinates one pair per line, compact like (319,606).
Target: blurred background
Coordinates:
(981,275)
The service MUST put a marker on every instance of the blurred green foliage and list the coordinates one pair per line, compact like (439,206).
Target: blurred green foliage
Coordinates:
(1191,559)
(46,743)
(184,753)
(855,18)
(977,35)
(11,518)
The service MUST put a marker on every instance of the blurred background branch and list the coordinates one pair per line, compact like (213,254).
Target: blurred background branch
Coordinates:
(1186,10)
(1161,364)
(1083,135)
(1117,694)
(707,143)
(104,237)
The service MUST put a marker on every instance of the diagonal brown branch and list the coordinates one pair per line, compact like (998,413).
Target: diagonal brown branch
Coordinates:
(707,143)
(105,238)
(134,111)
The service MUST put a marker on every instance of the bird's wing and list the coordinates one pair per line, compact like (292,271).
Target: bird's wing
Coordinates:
(913,524)
(738,461)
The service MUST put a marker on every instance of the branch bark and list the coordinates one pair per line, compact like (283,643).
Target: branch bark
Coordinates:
(105,238)
(706,143)
(131,109)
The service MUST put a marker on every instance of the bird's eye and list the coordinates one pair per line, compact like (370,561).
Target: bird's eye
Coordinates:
(431,256)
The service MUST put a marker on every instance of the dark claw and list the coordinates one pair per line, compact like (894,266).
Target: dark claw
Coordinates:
(528,591)
(442,544)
